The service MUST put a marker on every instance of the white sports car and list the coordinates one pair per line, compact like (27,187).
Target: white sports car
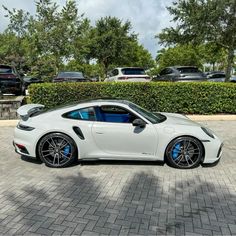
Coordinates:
(112,129)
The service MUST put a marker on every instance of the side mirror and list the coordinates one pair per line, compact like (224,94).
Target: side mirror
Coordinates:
(139,123)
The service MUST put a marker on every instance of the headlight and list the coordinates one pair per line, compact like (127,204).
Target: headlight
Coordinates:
(208,132)
(24,127)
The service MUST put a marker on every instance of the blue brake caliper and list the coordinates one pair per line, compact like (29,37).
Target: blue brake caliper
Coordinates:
(176,151)
(66,150)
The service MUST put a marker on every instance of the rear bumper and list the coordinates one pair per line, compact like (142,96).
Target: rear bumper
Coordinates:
(25,142)
(11,88)
(20,149)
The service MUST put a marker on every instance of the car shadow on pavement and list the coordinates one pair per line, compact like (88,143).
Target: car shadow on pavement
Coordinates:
(120,162)
(31,159)
(138,203)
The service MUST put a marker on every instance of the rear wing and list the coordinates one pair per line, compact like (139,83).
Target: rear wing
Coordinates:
(28,110)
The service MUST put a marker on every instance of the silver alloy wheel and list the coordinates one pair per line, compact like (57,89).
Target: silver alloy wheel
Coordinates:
(56,150)
(184,152)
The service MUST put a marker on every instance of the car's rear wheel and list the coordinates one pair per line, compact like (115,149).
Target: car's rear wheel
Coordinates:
(57,150)
(184,152)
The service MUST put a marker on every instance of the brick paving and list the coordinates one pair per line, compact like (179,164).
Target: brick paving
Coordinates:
(118,198)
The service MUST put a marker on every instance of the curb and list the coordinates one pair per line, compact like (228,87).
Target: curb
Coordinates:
(212,117)
(13,123)
(8,123)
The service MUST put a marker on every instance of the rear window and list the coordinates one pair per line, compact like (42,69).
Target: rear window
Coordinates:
(133,71)
(188,70)
(70,75)
(6,70)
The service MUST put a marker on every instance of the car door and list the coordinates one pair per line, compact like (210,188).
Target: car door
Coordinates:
(115,135)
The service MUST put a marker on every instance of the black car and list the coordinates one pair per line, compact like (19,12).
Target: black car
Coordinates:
(27,80)
(10,80)
(181,74)
(70,76)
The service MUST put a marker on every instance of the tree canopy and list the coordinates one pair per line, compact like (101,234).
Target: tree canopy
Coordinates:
(203,21)
(46,42)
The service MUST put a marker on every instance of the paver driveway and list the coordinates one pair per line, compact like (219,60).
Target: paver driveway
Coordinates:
(118,197)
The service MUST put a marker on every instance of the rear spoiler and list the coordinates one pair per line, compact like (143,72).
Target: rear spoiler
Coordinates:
(28,110)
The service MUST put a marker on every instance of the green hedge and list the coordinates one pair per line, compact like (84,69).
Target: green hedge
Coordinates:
(188,98)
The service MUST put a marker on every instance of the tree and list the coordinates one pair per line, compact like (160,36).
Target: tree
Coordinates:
(14,38)
(50,35)
(186,55)
(110,39)
(137,55)
(201,21)
(213,54)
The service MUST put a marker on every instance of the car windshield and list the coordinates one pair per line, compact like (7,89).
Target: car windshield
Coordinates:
(70,75)
(6,70)
(153,118)
(188,70)
(133,71)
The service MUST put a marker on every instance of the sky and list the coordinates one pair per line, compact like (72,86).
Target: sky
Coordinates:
(148,17)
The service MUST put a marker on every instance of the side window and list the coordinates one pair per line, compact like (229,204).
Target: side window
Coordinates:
(87,113)
(163,72)
(166,71)
(115,114)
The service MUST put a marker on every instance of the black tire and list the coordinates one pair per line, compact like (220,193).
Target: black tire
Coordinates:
(184,152)
(57,150)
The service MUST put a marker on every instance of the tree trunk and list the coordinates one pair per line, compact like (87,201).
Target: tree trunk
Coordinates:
(230,61)
(213,66)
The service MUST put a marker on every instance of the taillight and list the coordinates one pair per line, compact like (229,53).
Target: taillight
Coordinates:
(122,78)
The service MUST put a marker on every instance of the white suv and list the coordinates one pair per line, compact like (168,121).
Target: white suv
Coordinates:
(128,74)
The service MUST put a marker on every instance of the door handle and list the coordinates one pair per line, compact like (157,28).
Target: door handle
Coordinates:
(99,132)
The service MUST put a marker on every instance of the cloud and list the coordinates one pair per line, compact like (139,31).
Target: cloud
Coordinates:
(147,17)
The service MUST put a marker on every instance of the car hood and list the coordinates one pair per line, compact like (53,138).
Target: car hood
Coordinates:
(178,119)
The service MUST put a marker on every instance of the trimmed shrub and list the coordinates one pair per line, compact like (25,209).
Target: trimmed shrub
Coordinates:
(188,98)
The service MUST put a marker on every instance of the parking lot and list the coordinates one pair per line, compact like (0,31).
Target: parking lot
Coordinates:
(118,198)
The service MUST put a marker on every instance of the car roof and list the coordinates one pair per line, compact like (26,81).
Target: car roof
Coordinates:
(183,67)
(86,103)
(216,72)
(70,72)
(105,100)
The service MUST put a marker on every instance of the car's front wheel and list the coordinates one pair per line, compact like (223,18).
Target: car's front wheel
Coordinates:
(184,152)
(57,150)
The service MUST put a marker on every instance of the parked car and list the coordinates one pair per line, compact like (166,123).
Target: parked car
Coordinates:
(128,74)
(181,74)
(10,80)
(219,76)
(70,76)
(27,80)
(109,128)
(233,79)
(216,76)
